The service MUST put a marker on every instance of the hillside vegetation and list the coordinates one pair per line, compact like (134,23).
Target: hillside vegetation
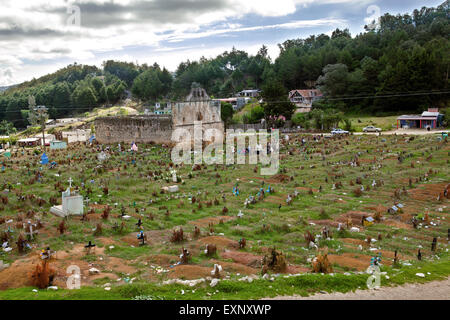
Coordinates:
(402,65)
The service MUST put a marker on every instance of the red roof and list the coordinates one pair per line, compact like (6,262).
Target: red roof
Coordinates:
(307,93)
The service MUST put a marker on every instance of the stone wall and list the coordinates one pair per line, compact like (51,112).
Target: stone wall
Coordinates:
(139,129)
(197,107)
(158,128)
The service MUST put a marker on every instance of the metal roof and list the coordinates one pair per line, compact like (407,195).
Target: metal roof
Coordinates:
(430,114)
(29,140)
(416,117)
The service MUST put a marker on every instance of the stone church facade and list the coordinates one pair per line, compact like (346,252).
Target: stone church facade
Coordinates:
(158,128)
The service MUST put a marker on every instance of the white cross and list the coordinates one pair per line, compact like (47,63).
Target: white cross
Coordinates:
(31,231)
(70,181)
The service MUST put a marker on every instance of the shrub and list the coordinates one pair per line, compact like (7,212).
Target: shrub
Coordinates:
(357,192)
(274,261)
(177,235)
(42,276)
(321,264)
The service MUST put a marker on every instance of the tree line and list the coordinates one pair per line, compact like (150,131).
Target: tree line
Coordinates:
(402,65)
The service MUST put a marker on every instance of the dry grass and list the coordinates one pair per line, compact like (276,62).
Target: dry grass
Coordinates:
(321,264)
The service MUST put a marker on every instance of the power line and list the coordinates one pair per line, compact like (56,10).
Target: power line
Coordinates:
(335,98)
(355,97)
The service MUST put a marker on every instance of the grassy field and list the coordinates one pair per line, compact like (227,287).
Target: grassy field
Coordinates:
(237,117)
(385,123)
(325,175)
(358,122)
(303,285)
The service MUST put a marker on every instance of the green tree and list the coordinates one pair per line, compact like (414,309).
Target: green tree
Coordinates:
(99,89)
(7,128)
(84,98)
(61,99)
(226,112)
(300,119)
(276,102)
(147,86)
(256,114)
(334,81)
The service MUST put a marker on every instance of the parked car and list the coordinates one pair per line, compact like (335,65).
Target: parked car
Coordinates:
(339,131)
(371,129)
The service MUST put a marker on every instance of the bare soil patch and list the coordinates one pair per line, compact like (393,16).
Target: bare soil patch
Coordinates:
(427,192)
(220,241)
(244,258)
(204,222)
(189,272)
(351,260)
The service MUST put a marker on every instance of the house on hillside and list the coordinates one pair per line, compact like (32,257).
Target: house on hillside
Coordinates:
(237,103)
(163,108)
(67,120)
(254,93)
(430,119)
(304,99)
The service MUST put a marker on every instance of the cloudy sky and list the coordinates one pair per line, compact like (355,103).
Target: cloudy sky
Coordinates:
(38,37)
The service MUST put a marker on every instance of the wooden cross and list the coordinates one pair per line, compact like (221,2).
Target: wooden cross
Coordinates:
(89,246)
(434,244)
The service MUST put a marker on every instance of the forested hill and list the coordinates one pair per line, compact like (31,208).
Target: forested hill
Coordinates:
(402,65)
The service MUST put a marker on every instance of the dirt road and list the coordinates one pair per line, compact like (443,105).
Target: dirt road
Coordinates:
(438,290)
(419,132)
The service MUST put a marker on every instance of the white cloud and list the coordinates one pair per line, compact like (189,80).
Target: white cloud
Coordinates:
(289,25)
(37,30)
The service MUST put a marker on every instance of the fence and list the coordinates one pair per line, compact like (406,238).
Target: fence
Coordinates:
(245,127)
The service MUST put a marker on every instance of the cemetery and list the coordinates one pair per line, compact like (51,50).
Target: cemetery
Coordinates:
(139,227)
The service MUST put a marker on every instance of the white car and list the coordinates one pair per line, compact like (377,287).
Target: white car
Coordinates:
(371,129)
(339,131)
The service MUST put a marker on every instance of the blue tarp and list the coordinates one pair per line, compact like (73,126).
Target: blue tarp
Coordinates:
(44,159)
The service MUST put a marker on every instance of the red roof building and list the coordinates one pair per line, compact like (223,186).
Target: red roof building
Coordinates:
(430,119)
(304,99)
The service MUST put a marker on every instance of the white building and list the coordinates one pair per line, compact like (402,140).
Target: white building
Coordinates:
(254,93)
(77,135)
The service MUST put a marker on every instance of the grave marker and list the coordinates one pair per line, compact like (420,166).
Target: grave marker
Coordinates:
(72,203)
